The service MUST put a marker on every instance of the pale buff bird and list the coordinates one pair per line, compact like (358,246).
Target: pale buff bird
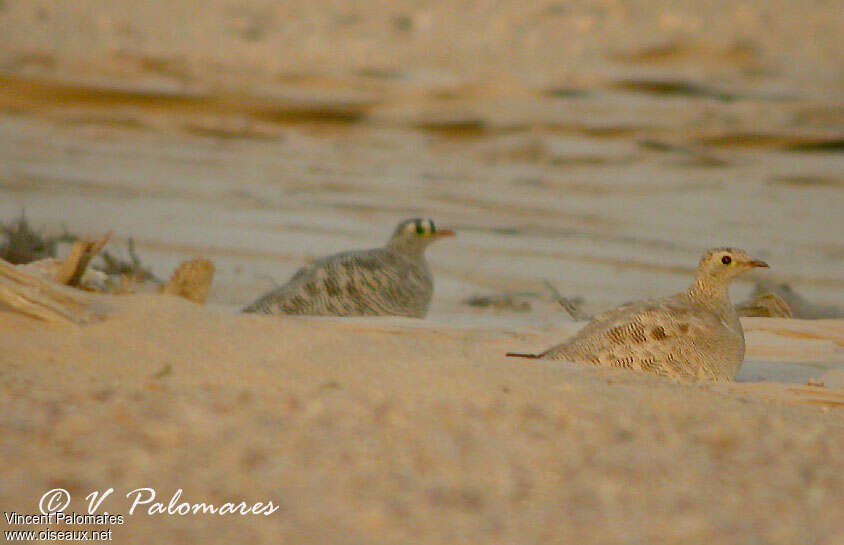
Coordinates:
(389,281)
(695,334)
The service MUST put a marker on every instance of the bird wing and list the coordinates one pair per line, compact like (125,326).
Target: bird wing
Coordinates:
(667,336)
(362,283)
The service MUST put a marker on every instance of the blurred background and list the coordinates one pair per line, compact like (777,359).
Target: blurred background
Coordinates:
(602,145)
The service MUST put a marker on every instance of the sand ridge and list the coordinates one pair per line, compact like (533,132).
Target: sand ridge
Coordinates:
(392,429)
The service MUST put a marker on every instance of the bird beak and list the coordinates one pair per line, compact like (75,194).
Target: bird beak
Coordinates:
(758,263)
(444,233)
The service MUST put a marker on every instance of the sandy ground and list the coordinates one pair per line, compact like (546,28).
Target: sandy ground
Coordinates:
(395,431)
(600,145)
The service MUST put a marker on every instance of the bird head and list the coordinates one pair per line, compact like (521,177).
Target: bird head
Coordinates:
(723,264)
(414,235)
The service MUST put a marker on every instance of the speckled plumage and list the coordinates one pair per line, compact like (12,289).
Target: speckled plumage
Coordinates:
(391,281)
(696,334)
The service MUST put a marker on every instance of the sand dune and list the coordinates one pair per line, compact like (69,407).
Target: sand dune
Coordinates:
(385,430)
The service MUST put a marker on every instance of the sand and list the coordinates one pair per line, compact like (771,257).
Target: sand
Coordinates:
(390,430)
(600,145)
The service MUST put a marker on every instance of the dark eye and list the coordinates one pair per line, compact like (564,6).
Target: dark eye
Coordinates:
(726,260)
(419,229)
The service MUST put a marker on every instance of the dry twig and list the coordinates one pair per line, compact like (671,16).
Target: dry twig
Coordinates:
(39,298)
(83,251)
(568,304)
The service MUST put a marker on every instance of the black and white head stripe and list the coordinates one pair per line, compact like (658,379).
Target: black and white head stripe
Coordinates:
(420,226)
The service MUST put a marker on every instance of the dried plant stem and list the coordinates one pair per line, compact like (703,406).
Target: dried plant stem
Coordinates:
(41,299)
(569,306)
(81,254)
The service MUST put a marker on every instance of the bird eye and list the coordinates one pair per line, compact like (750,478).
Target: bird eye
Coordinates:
(419,228)
(726,260)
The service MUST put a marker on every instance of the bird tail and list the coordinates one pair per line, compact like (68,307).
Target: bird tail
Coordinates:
(521,355)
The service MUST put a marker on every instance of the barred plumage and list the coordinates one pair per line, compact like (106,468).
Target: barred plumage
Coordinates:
(696,334)
(389,281)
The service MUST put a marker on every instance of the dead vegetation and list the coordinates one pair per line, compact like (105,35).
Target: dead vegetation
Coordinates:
(132,268)
(191,280)
(24,245)
(35,283)
(503,302)
(764,305)
(572,306)
(42,299)
(799,306)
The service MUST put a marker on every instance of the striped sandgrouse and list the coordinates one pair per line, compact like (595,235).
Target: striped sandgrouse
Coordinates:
(694,335)
(389,281)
